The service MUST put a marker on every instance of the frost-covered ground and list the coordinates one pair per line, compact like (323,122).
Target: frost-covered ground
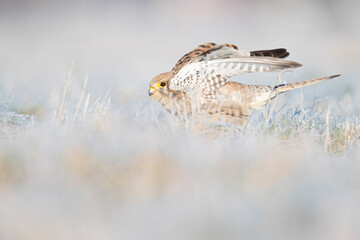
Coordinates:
(84,153)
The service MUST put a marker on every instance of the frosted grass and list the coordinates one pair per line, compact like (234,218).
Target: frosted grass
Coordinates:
(93,170)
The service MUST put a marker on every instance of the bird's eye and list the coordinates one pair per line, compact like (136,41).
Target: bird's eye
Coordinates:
(162,84)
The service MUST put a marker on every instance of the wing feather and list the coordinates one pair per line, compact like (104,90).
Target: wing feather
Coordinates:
(209,66)
(207,52)
(192,75)
(276,53)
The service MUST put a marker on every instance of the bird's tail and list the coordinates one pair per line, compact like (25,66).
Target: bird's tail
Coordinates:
(286,87)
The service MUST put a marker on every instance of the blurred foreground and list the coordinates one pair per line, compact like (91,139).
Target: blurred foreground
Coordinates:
(98,171)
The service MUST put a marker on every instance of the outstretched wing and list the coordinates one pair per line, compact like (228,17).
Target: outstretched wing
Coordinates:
(210,69)
(202,51)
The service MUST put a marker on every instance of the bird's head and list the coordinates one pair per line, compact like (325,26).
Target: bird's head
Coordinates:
(159,86)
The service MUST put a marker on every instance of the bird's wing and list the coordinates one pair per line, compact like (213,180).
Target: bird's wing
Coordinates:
(210,69)
(202,51)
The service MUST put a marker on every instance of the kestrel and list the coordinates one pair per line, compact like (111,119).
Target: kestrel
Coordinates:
(200,82)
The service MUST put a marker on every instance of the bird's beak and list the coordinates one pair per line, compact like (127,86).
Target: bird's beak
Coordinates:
(151,91)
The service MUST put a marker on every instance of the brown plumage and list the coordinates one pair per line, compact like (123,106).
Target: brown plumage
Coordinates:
(199,82)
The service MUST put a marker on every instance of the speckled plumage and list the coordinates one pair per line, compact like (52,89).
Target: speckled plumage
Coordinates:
(200,81)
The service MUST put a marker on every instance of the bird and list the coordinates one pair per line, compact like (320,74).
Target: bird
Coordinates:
(199,82)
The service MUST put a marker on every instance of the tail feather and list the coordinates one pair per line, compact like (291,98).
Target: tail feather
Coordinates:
(286,87)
